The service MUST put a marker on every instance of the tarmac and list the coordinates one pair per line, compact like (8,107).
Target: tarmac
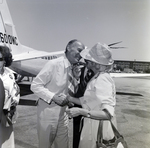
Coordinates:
(133,116)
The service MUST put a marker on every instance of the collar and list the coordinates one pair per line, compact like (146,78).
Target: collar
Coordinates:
(98,73)
(66,62)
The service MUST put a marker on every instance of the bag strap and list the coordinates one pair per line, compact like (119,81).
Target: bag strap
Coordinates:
(100,127)
(99,133)
(116,132)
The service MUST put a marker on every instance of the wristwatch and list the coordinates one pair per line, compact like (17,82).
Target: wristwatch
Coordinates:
(88,115)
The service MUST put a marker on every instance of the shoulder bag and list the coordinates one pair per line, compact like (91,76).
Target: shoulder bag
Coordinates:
(118,141)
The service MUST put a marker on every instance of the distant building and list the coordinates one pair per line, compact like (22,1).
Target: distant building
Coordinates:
(132,66)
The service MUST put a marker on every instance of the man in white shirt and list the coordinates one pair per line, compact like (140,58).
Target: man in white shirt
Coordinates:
(49,84)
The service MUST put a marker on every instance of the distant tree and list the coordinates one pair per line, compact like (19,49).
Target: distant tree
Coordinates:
(147,71)
(119,68)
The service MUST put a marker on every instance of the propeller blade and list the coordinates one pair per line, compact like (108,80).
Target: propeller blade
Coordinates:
(117,47)
(114,43)
(127,93)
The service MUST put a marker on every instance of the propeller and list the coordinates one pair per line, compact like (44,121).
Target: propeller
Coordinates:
(127,93)
(117,47)
(115,44)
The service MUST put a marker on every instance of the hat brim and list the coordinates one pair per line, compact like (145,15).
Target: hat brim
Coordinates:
(85,54)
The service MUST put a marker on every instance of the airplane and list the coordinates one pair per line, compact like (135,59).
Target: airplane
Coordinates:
(24,57)
(28,61)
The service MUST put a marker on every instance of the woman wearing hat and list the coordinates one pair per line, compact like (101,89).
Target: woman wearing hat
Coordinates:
(99,98)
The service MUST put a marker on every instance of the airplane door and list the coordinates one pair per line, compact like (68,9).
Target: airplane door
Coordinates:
(2,29)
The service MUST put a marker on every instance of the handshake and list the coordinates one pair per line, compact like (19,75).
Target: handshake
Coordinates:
(62,100)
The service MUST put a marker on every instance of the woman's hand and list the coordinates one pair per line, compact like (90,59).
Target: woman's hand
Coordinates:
(76,111)
(73,112)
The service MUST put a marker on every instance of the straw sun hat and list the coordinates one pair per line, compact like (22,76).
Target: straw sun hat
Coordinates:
(99,53)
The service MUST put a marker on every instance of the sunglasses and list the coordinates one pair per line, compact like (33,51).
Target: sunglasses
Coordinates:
(1,59)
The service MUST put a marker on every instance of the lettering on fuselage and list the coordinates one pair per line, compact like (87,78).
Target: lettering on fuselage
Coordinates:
(4,38)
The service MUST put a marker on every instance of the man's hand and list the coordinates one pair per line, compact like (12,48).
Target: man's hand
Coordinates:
(60,99)
(76,70)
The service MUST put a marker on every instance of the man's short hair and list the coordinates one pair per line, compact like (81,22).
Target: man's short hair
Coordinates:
(70,43)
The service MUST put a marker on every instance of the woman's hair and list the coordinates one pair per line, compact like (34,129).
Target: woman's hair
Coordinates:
(109,68)
(106,68)
(6,55)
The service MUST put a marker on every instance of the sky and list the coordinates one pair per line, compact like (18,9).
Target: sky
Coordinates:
(49,25)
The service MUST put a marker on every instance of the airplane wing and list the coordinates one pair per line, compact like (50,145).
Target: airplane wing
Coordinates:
(25,92)
(25,88)
(132,75)
(33,54)
(25,85)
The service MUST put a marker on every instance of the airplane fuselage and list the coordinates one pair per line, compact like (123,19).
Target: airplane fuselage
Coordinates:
(29,68)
